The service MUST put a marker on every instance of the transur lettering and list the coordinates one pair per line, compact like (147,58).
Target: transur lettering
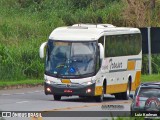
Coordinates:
(114,65)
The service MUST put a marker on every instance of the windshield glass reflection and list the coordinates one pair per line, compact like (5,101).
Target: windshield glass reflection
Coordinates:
(70,58)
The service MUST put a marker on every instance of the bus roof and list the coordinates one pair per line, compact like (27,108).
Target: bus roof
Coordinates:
(88,32)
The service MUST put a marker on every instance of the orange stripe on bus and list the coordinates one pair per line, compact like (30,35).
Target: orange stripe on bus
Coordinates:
(98,90)
(131,65)
(116,88)
(136,82)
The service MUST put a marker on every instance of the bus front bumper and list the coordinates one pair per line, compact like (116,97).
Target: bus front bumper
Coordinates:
(69,89)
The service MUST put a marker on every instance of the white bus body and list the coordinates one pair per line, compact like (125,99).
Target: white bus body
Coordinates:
(92,60)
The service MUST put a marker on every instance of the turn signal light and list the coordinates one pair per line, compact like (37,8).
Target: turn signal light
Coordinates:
(137,101)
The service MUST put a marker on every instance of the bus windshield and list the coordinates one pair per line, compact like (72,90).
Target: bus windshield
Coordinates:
(70,59)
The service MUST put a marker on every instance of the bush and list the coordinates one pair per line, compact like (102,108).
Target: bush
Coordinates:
(25,24)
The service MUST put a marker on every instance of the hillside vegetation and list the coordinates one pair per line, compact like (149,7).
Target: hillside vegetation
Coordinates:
(25,24)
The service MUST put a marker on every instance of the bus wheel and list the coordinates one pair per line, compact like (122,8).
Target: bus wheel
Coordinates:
(57,97)
(126,94)
(118,96)
(100,97)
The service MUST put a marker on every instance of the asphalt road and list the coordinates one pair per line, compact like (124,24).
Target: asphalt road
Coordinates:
(34,99)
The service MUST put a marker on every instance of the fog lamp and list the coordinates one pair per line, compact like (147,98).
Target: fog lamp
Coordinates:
(88,90)
(48,89)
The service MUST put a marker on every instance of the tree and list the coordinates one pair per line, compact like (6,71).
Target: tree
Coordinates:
(137,13)
(152,4)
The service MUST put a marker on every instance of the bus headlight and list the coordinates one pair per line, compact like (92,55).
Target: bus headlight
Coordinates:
(87,83)
(49,81)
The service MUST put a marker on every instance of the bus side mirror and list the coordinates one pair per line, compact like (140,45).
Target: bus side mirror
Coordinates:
(101,49)
(41,49)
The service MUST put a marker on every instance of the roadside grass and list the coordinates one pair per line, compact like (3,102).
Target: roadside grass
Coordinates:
(21,82)
(150,78)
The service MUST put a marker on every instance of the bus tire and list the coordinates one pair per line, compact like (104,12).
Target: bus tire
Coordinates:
(118,96)
(100,97)
(57,97)
(125,95)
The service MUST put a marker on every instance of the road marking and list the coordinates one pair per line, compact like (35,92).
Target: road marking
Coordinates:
(86,106)
(37,91)
(19,93)
(5,94)
(90,105)
(22,101)
(36,118)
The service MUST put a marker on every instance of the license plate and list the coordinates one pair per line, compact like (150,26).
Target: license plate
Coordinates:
(68,91)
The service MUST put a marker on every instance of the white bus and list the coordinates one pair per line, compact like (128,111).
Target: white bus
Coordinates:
(92,60)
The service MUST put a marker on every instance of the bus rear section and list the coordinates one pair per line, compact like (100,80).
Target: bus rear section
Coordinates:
(122,61)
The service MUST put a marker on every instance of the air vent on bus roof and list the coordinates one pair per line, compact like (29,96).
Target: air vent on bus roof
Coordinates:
(94,25)
(78,27)
(107,25)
